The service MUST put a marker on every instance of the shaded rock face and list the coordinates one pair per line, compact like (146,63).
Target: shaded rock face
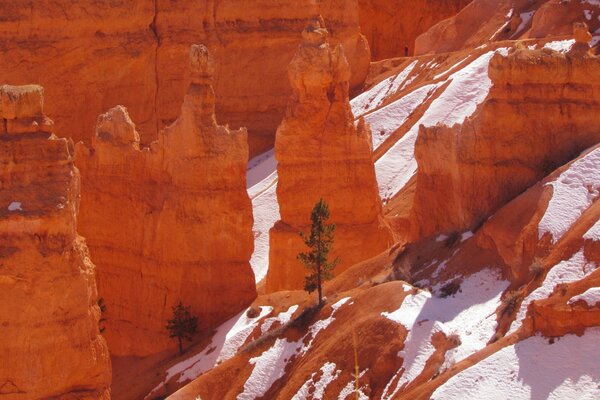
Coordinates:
(540,113)
(101,53)
(168,223)
(392,25)
(50,343)
(321,154)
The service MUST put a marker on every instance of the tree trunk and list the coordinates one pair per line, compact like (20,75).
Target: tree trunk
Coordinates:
(319,286)
(180,346)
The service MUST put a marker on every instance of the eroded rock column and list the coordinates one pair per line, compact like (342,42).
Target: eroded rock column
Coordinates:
(321,153)
(50,343)
(168,223)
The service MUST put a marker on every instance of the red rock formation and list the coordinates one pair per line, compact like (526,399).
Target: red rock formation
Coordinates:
(483,21)
(392,25)
(50,344)
(321,154)
(539,114)
(101,53)
(168,223)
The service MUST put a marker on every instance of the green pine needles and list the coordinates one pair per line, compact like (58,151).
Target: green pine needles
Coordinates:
(183,325)
(319,242)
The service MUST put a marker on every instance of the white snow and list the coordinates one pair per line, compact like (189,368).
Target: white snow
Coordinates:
(388,119)
(260,167)
(283,318)
(525,19)
(595,39)
(466,235)
(468,314)
(270,365)
(593,233)
(591,2)
(230,336)
(571,270)
(588,14)
(15,206)
(376,96)
(328,375)
(468,87)
(590,296)
(350,389)
(573,192)
(451,69)
(534,370)
(562,46)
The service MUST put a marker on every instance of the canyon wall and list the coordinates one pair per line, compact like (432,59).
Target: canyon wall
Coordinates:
(321,154)
(50,342)
(168,223)
(130,53)
(540,113)
(392,25)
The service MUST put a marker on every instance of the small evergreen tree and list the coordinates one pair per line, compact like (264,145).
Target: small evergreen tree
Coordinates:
(101,321)
(183,325)
(320,242)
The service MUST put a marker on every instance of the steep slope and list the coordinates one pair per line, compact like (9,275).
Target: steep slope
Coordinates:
(447,333)
(485,21)
(322,155)
(50,342)
(132,53)
(184,219)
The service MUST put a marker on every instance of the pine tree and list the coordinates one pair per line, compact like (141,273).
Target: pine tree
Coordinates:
(320,242)
(183,325)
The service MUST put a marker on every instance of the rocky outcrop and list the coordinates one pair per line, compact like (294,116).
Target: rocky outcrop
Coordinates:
(485,21)
(50,343)
(391,26)
(168,223)
(132,53)
(321,154)
(539,114)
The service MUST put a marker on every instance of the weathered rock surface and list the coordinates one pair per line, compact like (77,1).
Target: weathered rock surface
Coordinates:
(50,343)
(168,223)
(392,25)
(321,154)
(484,21)
(101,53)
(539,114)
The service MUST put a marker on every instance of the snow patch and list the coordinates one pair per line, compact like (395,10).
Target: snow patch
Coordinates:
(573,192)
(468,314)
(532,369)
(562,46)
(590,296)
(525,19)
(15,206)
(283,318)
(588,14)
(571,270)
(328,375)
(593,233)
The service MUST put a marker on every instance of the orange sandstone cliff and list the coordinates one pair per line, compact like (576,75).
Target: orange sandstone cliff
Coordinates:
(131,53)
(50,343)
(321,154)
(168,223)
(540,113)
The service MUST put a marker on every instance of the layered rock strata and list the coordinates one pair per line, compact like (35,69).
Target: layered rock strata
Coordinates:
(540,113)
(101,53)
(322,154)
(50,342)
(168,223)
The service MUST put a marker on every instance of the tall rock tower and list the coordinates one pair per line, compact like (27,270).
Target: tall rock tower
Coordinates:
(50,342)
(322,154)
(168,223)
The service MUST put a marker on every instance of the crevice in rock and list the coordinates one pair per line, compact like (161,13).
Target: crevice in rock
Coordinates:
(153,27)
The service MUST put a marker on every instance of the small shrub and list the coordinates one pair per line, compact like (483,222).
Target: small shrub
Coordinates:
(253,312)
(452,239)
(510,302)
(536,269)
(183,325)
(450,289)
(102,307)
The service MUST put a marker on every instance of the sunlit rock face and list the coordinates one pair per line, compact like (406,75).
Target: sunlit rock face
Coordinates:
(50,342)
(168,223)
(91,55)
(322,154)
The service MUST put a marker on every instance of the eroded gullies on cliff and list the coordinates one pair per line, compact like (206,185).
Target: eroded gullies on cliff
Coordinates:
(50,341)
